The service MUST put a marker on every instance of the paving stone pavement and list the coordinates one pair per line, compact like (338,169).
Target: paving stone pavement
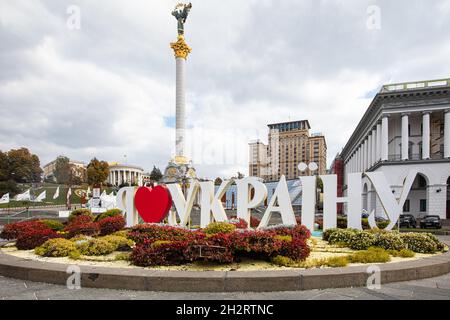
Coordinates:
(429,289)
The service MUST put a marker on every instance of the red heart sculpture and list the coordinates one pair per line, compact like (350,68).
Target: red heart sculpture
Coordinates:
(153,204)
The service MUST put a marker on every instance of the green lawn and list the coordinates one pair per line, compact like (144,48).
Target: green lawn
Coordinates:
(51,189)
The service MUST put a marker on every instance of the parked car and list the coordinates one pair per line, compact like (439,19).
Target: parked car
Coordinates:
(381,219)
(431,222)
(407,221)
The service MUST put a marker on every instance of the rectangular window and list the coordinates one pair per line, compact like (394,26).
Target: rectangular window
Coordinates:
(423,205)
(406,206)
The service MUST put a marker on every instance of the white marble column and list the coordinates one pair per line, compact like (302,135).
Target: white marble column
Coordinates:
(405,136)
(364,155)
(358,163)
(361,157)
(180,107)
(447,134)
(374,146)
(426,135)
(378,141)
(385,138)
(353,162)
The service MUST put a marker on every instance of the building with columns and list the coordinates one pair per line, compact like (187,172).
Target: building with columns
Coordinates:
(125,173)
(406,127)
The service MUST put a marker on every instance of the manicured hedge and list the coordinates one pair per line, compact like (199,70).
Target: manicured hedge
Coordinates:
(14,230)
(35,238)
(111,224)
(388,240)
(80,212)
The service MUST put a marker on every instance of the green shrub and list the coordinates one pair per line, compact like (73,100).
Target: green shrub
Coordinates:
(342,236)
(336,262)
(371,255)
(219,227)
(121,233)
(332,262)
(283,261)
(120,243)
(57,248)
(389,241)
(327,233)
(53,224)
(383,224)
(440,246)
(81,237)
(404,253)
(123,256)
(362,240)
(80,212)
(108,214)
(420,242)
(96,247)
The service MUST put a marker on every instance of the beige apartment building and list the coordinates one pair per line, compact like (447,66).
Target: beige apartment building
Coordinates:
(49,169)
(289,143)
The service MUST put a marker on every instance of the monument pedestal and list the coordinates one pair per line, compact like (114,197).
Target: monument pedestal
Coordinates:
(179,170)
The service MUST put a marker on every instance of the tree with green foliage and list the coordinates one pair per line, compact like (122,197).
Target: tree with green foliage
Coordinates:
(63,170)
(18,166)
(97,171)
(156,174)
(23,166)
(4,167)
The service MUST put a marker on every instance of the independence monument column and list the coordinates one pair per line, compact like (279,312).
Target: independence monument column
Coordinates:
(179,167)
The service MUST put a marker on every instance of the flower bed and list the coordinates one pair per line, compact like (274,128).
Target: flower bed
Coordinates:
(219,242)
(153,245)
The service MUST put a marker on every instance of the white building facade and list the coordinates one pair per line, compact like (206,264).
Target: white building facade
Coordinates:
(120,174)
(406,127)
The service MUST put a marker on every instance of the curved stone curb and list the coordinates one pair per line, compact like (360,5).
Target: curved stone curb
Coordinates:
(222,281)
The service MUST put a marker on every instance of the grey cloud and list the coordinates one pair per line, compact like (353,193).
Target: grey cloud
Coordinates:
(105,90)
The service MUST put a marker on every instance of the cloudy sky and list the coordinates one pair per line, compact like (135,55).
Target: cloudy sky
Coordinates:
(106,89)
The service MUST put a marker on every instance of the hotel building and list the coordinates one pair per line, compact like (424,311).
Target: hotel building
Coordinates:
(289,143)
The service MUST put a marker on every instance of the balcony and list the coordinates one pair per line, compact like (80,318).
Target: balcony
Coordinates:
(416,157)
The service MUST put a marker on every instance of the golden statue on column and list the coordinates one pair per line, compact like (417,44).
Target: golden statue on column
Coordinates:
(180,168)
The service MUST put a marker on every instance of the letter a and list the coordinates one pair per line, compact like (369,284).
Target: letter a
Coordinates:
(284,207)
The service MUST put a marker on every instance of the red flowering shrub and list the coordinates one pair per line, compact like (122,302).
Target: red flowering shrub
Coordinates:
(35,238)
(297,249)
(254,222)
(239,223)
(256,242)
(154,232)
(80,212)
(111,225)
(87,229)
(161,254)
(81,220)
(296,232)
(164,245)
(14,230)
